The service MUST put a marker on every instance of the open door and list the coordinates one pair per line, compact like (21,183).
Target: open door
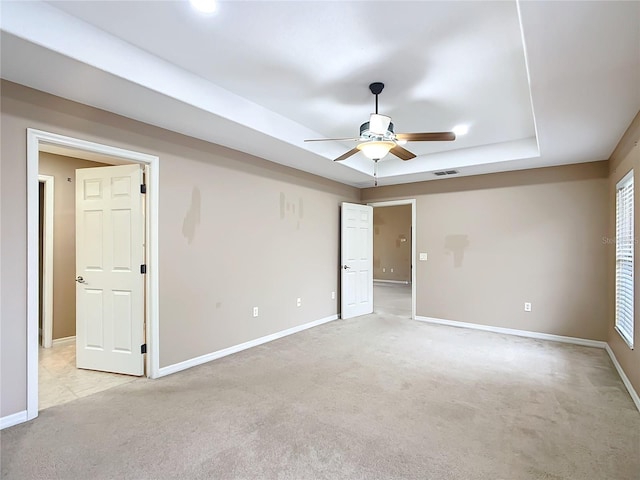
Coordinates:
(109,259)
(356,233)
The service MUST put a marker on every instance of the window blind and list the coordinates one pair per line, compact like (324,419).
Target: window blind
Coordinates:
(624,258)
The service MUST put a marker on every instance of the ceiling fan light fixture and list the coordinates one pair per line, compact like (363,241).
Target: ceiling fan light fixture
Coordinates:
(376,149)
(379,124)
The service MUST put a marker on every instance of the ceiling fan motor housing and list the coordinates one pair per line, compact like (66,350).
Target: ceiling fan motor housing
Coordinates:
(368,135)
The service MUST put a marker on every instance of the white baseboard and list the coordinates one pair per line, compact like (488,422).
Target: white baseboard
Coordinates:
(520,333)
(14,419)
(401,282)
(623,376)
(177,367)
(57,342)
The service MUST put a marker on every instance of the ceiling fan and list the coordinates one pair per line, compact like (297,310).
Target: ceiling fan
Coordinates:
(377,137)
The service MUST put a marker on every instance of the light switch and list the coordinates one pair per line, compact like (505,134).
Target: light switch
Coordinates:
(423,257)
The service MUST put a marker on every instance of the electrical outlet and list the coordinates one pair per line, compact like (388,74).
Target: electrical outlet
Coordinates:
(255,311)
(384,270)
(527,307)
(392,270)
(299,302)
(333,295)
(423,257)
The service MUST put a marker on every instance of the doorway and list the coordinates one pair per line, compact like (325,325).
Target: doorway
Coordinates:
(37,142)
(394,258)
(59,378)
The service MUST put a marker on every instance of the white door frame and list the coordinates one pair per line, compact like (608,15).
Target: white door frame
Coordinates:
(412,202)
(36,141)
(47,261)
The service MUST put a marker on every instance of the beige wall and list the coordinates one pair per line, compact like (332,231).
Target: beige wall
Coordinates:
(624,158)
(392,243)
(497,241)
(64,238)
(235,231)
(238,231)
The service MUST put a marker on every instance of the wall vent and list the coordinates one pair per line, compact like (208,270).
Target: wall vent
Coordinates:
(442,173)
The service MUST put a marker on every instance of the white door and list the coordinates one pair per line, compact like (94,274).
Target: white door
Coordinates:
(109,283)
(356,233)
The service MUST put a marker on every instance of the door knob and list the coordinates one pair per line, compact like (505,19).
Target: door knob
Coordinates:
(80,280)
(346,267)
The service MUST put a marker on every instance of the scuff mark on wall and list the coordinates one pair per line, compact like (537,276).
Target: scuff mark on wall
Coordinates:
(192,218)
(288,209)
(283,202)
(456,244)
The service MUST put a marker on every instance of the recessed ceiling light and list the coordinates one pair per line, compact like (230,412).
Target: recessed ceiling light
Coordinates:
(460,129)
(204,6)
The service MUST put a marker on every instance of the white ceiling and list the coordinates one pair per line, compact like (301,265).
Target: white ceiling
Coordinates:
(538,83)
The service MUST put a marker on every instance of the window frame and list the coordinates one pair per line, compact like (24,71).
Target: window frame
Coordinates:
(625,241)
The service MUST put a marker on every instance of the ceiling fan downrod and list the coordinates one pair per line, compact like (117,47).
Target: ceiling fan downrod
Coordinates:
(376,88)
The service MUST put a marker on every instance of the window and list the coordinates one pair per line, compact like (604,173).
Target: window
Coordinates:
(624,258)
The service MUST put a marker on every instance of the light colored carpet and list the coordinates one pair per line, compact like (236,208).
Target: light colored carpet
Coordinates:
(392,298)
(376,397)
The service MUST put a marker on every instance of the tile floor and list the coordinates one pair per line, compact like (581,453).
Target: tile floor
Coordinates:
(60,381)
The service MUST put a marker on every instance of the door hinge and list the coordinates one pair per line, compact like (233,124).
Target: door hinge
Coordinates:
(143,268)
(143,188)
(143,348)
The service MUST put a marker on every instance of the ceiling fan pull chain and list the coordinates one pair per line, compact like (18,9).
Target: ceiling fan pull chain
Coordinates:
(375,172)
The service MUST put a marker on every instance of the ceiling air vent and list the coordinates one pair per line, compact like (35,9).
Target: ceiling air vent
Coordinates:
(442,173)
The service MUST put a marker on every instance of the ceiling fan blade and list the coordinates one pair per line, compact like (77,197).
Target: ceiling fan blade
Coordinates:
(427,137)
(332,139)
(353,151)
(402,153)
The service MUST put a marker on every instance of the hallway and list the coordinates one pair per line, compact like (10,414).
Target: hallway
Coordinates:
(392,298)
